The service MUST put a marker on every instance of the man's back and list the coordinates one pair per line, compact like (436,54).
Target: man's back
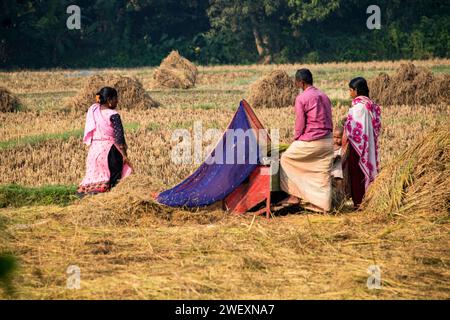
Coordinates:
(313,115)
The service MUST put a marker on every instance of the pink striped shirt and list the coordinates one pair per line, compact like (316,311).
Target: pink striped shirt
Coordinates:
(313,115)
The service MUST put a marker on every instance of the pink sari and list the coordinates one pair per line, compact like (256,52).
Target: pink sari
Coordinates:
(362,128)
(99,135)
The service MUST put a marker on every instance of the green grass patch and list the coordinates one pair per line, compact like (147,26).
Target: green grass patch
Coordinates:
(442,68)
(21,108)
(245,80)
(153,126)
(44,101)
(134,126)
(8,264)
(14,195)
(214,124)
(188,124)
(47,95)
(343,102)
(36,139)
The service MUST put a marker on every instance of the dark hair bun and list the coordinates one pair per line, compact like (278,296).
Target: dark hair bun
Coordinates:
(106,94)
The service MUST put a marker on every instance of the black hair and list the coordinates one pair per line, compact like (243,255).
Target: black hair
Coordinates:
(304,75)
(360,85)
(105,94)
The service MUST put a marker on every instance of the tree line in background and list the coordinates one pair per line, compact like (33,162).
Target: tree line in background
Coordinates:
(131,33)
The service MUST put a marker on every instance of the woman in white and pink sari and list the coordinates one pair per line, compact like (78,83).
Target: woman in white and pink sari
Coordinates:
(361,140)
(107,160)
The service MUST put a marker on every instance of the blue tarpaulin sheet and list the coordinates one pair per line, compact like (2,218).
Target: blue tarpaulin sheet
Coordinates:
(213,181)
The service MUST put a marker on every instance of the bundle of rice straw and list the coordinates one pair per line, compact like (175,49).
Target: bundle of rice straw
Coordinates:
(175,72)
(8,101)
(417,181)
(276,90)
(132,94)
(410,85)
(131,203)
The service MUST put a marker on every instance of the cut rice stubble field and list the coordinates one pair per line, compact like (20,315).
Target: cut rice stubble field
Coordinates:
(182,256)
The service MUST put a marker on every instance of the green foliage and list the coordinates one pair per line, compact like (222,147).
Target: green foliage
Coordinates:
(121,33)
(8,264)
(223,47)
(305,11)
(18,196)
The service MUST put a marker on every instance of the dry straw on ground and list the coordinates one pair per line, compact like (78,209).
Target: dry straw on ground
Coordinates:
(276,90)
(416,181)
(131,93)
(8,101)
(175,72)
(132,203)
(410,85)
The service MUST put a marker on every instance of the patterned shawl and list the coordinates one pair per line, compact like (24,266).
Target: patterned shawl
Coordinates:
(363,129)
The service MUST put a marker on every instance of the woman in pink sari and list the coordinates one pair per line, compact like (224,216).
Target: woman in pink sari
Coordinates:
(107,160)
(362,131)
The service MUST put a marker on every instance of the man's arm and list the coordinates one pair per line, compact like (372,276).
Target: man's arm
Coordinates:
(300,118)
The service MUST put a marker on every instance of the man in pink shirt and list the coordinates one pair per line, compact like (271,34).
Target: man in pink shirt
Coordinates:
(313,114)
(306,165)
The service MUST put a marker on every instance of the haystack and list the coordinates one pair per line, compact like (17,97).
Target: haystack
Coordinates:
(417,181)
(131,203)
(410,85)
(175,72)
(131,93)
(8,101)
(276,90)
